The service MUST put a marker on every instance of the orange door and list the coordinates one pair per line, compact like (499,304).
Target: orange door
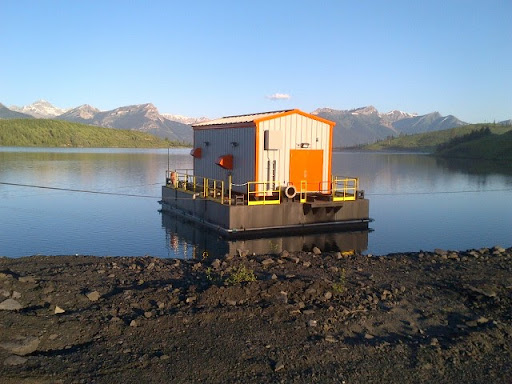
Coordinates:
(306,164)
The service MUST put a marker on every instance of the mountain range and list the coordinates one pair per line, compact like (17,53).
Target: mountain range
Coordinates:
(367,125)
(142,117)
(353,127)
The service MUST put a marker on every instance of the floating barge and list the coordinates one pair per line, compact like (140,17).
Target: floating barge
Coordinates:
(265,173)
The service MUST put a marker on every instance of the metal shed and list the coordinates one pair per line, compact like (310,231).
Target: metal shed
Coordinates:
(265,173)
(277,149)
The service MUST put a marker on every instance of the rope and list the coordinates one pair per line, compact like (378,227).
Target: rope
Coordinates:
(437,193)
(239,185)
(79,190)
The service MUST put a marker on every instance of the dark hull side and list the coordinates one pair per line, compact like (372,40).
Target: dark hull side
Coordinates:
(289,217)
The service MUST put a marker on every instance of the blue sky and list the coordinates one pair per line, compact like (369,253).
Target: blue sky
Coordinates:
(217,58)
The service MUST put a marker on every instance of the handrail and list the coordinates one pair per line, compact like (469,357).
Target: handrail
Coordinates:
(267,195)
(344,188)
(208,188)
(259,192)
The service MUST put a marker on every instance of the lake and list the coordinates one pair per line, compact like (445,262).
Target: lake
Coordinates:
(104,202)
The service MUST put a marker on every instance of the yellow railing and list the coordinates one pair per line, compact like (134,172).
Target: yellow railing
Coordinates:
(263,193)
(206,188)
(214,189)
(303,191)
(258,192)
(344,188)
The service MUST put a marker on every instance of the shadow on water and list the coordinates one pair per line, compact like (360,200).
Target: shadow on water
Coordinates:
(188,240)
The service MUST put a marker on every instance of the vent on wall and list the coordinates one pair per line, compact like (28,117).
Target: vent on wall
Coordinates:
(196,152)
(225,161)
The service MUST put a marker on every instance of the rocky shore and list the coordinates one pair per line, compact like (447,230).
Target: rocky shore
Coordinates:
(308,317)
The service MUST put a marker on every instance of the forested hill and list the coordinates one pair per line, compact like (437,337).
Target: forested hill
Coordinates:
(54,133)
(481,145)
(430,141)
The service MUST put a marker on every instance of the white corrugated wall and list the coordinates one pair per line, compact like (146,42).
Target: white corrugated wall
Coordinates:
(296,129)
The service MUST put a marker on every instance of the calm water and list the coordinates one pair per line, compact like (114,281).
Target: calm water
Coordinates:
(417,202)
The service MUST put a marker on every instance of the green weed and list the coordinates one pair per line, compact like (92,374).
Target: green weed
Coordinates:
(239,275)
(340,285)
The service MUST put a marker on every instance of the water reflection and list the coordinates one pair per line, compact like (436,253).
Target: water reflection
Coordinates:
(476,167)
(187,240)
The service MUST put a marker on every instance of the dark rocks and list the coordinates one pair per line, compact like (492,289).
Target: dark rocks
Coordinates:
(93,296)
(15,360)
(21,345)
(386,295)
(284,254)
(58,310)
(10,305)
(267,262)
(487,291)
(278,366)
(330,339)
(27,279)
(395,318)
(282,297)
(242,252)
(316,251)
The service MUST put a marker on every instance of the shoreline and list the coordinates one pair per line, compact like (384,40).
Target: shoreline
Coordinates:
(293,317)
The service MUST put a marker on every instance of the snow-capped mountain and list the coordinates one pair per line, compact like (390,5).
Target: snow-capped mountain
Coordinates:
(367,125)
(393,115)
(6,113)
(185,119)
(83,112)
(396,115)
(40,109)
(141,117)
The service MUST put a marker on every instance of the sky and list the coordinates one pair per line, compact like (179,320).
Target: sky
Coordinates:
(220,58)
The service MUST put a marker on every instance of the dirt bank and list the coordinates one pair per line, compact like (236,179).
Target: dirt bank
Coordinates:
(291,318)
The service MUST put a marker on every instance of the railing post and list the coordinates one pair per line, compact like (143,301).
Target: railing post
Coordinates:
(229,190)
(303,191)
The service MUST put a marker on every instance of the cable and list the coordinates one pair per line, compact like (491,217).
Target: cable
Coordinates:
(79,190)
(93,192)
(158,197)
(437,193)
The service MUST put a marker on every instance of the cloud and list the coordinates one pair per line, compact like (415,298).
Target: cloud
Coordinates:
(279,96)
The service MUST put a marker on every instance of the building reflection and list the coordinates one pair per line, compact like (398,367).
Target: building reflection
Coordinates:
(187,240)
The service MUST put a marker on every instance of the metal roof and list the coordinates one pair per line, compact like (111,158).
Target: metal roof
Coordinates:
(240,119)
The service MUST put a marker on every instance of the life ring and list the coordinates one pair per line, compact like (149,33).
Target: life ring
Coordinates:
(173,178)
(290,192)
